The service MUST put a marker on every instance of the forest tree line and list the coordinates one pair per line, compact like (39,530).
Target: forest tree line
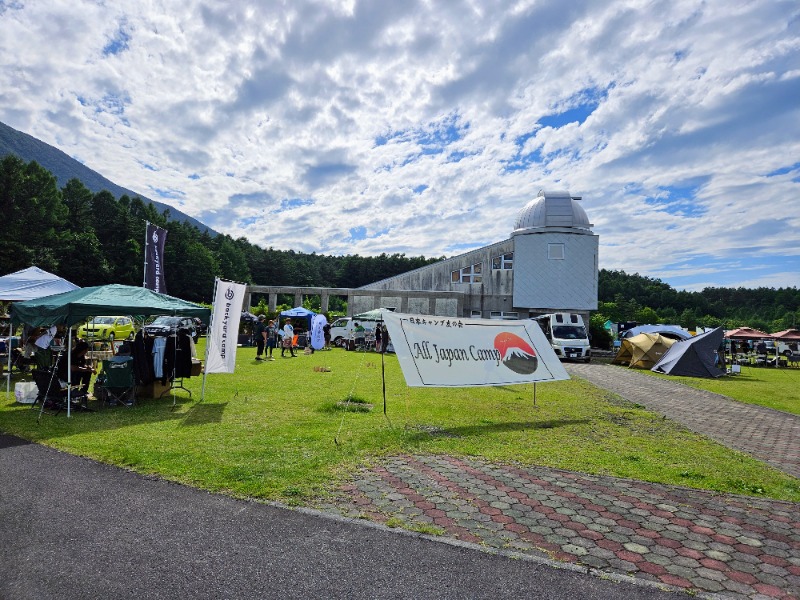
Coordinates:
(95,239)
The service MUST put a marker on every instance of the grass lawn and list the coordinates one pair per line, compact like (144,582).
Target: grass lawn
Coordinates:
(770,387)
(289,430)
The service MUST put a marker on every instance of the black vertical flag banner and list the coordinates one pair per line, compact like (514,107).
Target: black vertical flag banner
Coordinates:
(154,259)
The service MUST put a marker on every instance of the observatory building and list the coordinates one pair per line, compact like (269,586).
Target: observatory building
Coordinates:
(549,264)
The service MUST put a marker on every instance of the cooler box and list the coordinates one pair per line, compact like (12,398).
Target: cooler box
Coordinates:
(25,392)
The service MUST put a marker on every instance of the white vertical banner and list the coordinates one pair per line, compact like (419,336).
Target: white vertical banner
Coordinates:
(454,352)
(317,333)
(224,330)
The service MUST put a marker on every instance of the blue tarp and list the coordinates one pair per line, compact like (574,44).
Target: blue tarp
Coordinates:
(670,331)
(298,312)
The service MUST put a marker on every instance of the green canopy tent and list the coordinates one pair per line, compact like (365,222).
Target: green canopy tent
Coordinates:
(376,314)
(73,307)
(78,305)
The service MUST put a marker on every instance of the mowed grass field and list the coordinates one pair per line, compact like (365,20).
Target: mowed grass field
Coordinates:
(292,429)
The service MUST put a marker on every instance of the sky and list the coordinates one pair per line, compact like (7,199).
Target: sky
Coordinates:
(424,127)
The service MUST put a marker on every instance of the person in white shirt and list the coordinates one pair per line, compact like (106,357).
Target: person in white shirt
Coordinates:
(288,338)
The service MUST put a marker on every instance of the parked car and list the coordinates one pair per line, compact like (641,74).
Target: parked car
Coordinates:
(167,325)
(343,329)
(107,328)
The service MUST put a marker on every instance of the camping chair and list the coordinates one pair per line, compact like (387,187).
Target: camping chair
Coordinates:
(51,395)
(369,341)
(118,384)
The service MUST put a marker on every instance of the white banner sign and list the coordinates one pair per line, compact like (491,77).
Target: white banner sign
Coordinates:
(224,331)
(451,352)
(317,333)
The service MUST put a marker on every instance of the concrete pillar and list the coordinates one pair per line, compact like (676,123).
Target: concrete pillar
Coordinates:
(273,302)
(325,298)
(298,299)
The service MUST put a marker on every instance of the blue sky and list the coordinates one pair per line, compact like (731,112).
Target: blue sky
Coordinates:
(424,128)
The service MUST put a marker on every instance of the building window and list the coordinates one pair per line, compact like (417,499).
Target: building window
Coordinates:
(504,261)
(475,314)
(555,251)
(471,274)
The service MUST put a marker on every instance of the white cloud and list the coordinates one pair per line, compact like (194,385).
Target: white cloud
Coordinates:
(292,123)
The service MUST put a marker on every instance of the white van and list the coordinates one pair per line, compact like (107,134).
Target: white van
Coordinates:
(343,329)
(567,335)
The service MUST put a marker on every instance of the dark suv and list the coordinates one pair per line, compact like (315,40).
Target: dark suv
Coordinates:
(166,325)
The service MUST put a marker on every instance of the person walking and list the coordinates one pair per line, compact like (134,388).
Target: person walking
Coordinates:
(260,334)
(272,339)
(288,338)
(378,337)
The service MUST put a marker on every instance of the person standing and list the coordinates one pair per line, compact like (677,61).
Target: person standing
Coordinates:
(378,337)
(272,338)
(288,338)
(326,331)
(261,337)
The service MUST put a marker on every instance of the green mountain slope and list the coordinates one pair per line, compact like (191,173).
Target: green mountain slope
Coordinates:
(64,168)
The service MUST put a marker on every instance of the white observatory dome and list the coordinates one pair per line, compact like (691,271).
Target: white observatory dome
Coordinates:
(552,209)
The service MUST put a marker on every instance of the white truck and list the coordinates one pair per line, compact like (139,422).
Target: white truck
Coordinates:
(567,335)
(343,329)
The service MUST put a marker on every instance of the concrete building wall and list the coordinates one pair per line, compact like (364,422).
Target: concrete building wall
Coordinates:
(556,271)
(493,293)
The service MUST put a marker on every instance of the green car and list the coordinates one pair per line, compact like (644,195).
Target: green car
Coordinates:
(107,328)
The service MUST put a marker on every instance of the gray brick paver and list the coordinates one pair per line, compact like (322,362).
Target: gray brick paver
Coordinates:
(765,529)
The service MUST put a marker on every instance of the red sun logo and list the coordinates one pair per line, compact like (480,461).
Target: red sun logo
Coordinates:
(516,353)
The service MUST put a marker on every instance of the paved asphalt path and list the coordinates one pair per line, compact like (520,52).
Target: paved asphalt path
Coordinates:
(75,528)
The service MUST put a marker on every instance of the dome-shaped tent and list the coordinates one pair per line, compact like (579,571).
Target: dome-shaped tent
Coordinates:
(642,351)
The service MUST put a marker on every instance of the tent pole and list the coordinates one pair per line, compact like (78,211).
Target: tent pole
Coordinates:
(209,329)
(144,268)
(383,378)
(69,370)
(8,347)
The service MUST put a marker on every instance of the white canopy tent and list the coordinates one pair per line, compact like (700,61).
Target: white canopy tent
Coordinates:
(32,283)
(29,284)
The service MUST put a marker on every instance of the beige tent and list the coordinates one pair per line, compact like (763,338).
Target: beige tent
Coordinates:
(642,351)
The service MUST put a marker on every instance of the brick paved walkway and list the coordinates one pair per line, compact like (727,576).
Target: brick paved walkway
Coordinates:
(718,545)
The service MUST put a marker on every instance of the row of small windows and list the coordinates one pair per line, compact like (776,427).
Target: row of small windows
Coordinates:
(506,261)
(473,273)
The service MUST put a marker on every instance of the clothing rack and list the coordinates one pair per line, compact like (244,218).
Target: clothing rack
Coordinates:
(176,384)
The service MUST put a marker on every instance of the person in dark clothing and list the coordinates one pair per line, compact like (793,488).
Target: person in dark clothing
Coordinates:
(260,334)
(378,337)
(272,339)
(326,331)
(81,367)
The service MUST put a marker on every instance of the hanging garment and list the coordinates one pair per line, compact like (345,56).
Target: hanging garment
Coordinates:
(142,359)
(159,347)
(183,356)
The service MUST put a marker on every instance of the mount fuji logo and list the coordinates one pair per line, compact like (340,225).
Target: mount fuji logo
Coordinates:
(516,353)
